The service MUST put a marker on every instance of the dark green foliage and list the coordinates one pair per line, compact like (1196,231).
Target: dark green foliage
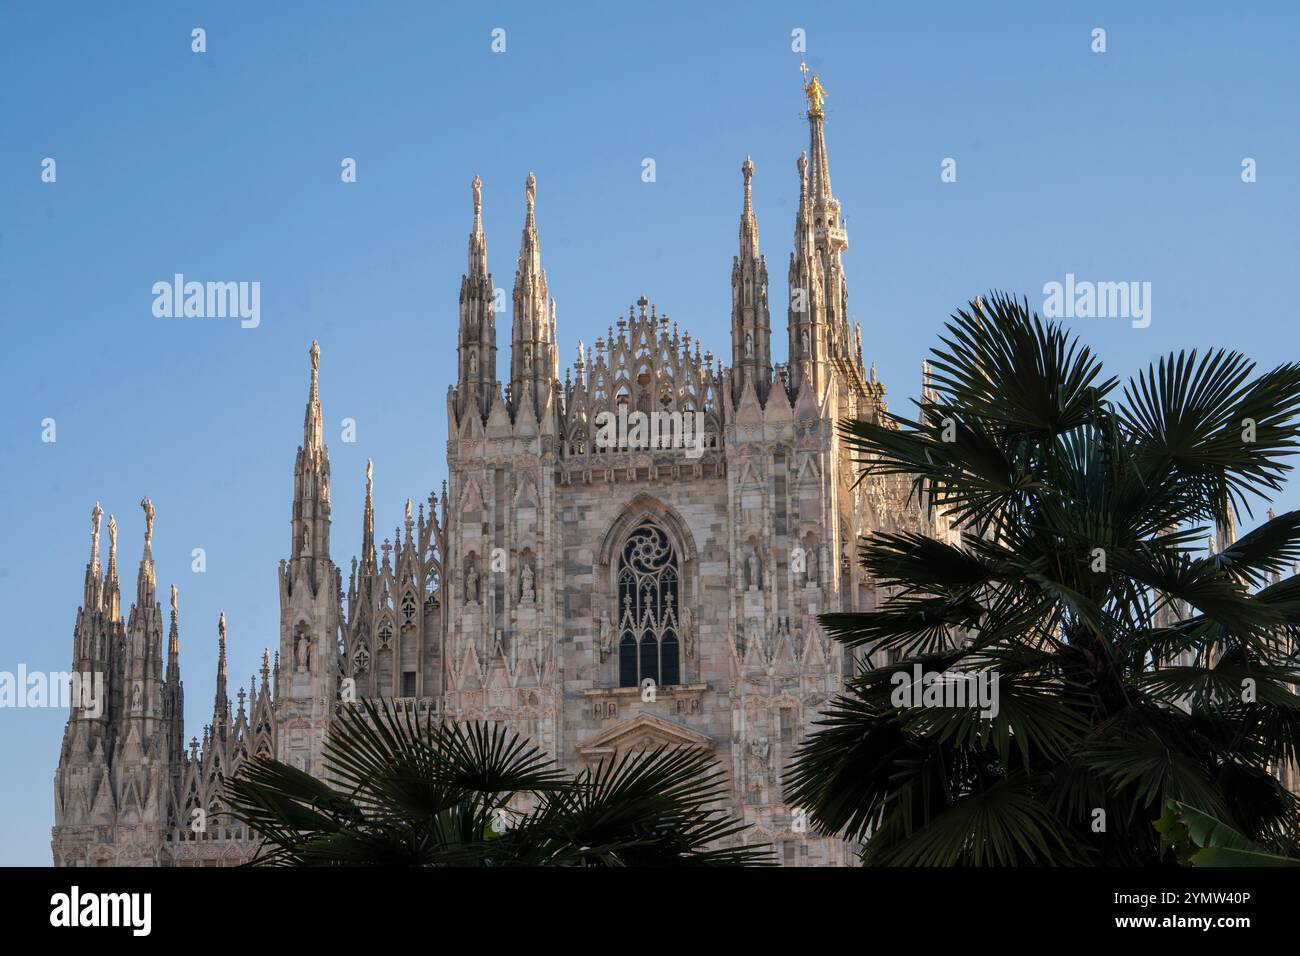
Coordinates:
(407,791)
(1045,465)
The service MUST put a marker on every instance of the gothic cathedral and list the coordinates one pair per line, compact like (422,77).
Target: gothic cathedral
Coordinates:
(593,595)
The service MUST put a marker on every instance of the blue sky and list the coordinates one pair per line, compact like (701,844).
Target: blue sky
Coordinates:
(1121,166)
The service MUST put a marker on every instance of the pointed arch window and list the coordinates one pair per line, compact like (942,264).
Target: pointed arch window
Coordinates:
(649,580)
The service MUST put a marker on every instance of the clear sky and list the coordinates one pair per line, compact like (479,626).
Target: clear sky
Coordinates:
(225,166)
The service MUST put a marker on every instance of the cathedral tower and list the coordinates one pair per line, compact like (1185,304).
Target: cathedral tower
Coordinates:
(310,601)
(115,782)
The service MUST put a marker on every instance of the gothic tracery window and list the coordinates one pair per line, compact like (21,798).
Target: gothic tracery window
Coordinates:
(648,600)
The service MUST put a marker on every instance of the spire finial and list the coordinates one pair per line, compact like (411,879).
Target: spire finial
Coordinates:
(95,515)
(312,428)
(112,541)
(175,602)
(476,186)
(147,505)
(815,92)
(221,632)
(748,170)
(530,195)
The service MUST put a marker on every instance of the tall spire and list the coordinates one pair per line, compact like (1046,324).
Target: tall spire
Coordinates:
(751,326)
(310,524)
(819,176)
(477,241)
(818,316)
(112,593)
(748,223)
(533,362)
(368,522)
(93,590)
(96,514)
(174,637)
(147,580)
(221,705)
(311,426)
(476,383)
(174,694)
(530,252)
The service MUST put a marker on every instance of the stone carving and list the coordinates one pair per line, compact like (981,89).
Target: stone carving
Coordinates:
(760,750)
(526,593)
(606,636)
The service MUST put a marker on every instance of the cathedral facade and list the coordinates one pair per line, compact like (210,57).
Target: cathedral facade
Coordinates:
(630,553)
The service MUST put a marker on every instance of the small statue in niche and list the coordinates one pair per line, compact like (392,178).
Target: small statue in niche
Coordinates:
(471,585)
(304,653)
(812,568)
(759,752)
(755,580)
(606,635)
(749,344)
(135,697)
(527,594)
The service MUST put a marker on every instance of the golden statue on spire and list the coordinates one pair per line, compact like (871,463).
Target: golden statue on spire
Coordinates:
(815,92)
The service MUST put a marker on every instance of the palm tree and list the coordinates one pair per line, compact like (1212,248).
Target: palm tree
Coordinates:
(412,791)
(1129,668)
